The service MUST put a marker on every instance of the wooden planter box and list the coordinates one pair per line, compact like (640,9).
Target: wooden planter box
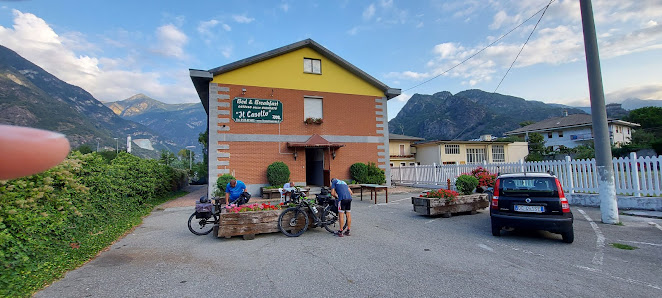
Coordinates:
(249,224)
(435,206)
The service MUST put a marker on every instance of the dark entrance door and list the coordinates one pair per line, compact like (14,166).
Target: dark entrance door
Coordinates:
(315,166)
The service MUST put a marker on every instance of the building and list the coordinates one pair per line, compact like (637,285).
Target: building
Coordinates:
(300,104)
(400,150)
(469,152)
(573,130)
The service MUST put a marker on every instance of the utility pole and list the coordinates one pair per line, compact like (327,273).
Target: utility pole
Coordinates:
(603,158)
(190,157)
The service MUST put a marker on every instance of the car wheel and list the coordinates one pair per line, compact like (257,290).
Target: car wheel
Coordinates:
(496,229)
(568,236)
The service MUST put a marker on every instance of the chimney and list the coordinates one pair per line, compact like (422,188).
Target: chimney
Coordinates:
(565,113)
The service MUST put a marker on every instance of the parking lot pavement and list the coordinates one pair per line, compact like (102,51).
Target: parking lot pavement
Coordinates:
(393,252)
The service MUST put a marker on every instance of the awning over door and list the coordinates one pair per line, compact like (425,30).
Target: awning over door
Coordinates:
(315,141)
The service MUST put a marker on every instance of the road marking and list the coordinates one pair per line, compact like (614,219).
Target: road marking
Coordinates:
(655,225)
(628,280)
(429,221)
(600,242)
(637,242)
(485,247)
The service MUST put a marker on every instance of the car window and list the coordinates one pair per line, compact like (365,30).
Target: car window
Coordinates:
(528,186)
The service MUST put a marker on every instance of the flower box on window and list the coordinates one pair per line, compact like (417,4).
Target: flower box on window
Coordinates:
(310,120)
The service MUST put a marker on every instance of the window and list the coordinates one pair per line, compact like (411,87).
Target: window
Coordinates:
(560,134)
(498,153)
(448,162)
(402,149)
(402,164)
(549,135)
(312,107)
(312,65)
(475,155)
(628,130)
(391,164)
(412,163)
(452,149)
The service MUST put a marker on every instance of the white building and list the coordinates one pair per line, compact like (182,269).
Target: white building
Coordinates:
(574,130)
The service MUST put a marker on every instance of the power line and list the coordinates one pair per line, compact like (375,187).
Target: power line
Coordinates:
(520,50)
(491,44)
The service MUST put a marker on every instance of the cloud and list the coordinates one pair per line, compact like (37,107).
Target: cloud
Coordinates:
(106,78)
(557,40)
(242,19)
(205,27)
(640,92)
(369,12)
(171,41)
(404,97)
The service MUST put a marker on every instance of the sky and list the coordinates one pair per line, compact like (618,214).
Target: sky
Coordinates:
(116,49)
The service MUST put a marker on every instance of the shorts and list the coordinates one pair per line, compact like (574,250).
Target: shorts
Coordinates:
(344,205)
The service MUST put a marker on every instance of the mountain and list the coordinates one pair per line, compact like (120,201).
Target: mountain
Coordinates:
(182,123)
(30,96)
(469,114)
(636,103)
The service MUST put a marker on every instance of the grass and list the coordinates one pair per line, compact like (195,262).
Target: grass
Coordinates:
(623,246)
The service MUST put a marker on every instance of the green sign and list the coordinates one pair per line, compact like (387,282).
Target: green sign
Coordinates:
(257,110)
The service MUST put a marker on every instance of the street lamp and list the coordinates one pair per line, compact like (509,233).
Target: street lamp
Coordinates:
(117,146)
(190,157)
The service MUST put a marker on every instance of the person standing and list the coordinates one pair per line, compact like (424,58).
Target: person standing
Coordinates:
(340,190)
(233,190)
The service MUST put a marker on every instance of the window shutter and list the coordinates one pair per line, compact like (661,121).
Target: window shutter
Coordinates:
(312,107)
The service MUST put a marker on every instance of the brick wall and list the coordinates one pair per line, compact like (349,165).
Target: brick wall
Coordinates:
(246,149)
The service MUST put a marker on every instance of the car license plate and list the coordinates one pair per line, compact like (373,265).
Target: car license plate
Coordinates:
(524,208)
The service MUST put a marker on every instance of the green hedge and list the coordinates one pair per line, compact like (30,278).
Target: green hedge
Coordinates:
(465,184)
(367,173)
(57,220)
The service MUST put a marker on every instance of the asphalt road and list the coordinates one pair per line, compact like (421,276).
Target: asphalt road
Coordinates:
(393,252)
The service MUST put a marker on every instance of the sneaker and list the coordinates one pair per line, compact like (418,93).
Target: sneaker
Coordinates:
(347,233)
(339,233)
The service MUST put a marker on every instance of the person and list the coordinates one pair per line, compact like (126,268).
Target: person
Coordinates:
(25,151)
(287,189)
(340,190)
(233,190)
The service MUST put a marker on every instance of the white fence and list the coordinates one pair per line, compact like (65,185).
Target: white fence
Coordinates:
(635,176)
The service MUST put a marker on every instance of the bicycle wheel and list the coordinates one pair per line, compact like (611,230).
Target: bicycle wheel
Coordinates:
(200,226)
(330,219)
(293,222)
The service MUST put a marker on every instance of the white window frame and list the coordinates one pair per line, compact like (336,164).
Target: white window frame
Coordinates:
(498,153)
(452,149)
(475,155)
(311,65)
(313,107)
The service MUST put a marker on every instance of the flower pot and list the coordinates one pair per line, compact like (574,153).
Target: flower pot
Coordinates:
(435,206)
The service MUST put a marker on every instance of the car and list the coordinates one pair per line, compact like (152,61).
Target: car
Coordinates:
(531,201)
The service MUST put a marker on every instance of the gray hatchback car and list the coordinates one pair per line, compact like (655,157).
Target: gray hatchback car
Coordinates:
(531,201)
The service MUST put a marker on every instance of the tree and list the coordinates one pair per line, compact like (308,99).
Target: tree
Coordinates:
(526,123)
(647,117)
(84,149)
(167,157)
(536,147)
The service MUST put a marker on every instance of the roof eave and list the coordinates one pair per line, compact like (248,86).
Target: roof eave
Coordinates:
(201,79)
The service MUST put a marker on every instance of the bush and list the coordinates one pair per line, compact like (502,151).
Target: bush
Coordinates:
(367,173)
(221,183)
(278,173)
(57,220)
(359,172)
(466,184)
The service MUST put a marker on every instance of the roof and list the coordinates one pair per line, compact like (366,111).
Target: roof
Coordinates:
(575,120)
(315,141)
(442,142)
(393,136)
(202,78)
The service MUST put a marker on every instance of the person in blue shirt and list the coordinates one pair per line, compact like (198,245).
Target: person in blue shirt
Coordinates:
(233,190)
(340,190)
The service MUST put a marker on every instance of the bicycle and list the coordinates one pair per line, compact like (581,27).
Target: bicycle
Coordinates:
(294,220)
(207,215)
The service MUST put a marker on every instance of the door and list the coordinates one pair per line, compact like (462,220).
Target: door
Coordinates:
(315,166)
